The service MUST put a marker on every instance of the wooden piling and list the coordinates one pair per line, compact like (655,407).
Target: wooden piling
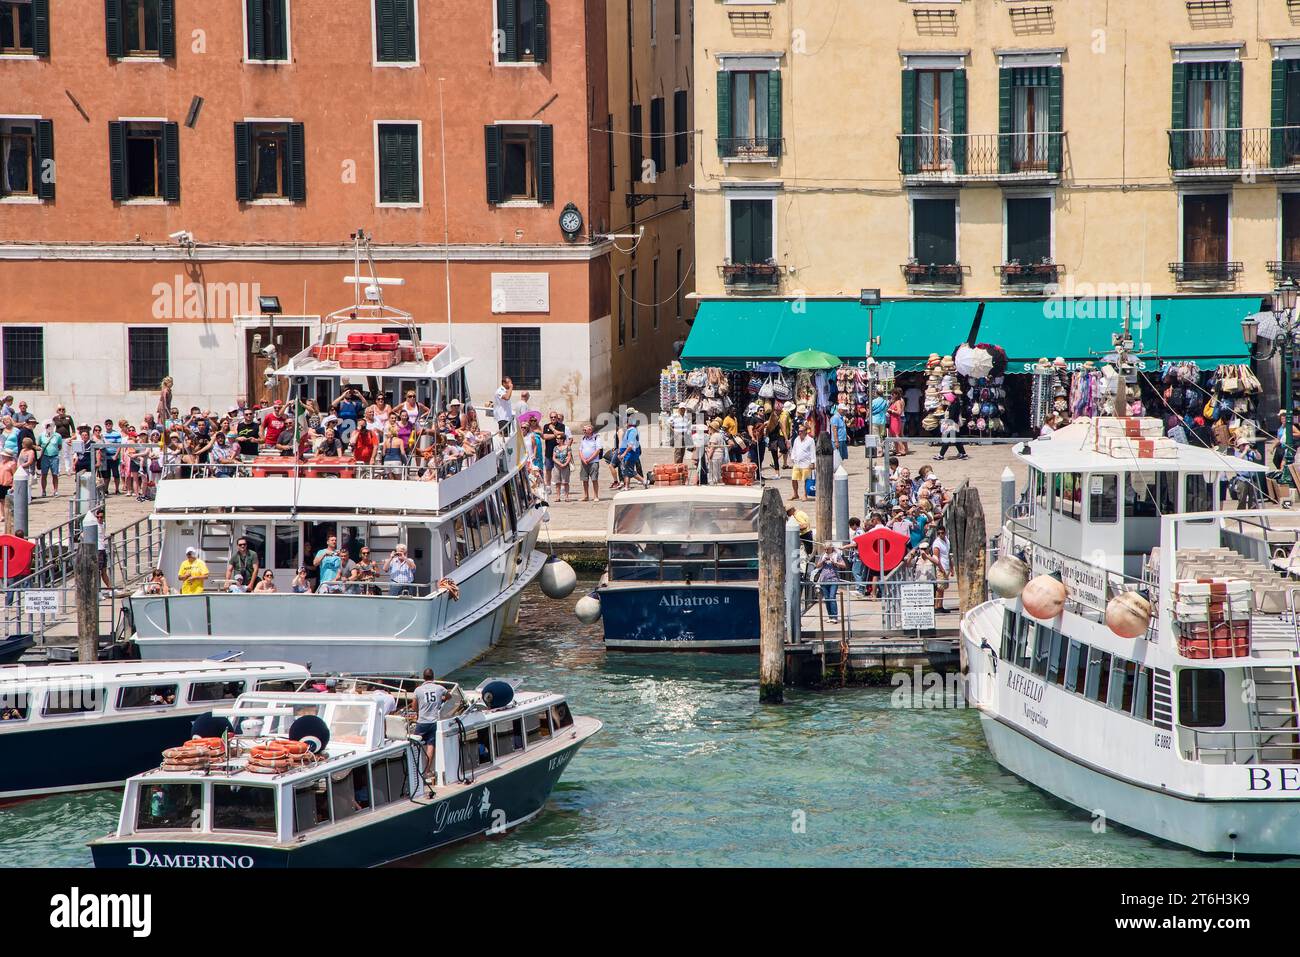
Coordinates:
(772,597)
(825,487)
(964,519)
(87,595)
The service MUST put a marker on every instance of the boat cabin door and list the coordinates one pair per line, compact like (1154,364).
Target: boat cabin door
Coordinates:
(419,546)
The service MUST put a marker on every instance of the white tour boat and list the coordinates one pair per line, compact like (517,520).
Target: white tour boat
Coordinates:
(1147,673)
(469,522)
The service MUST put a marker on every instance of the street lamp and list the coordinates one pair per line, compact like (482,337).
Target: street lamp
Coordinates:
(1284,315)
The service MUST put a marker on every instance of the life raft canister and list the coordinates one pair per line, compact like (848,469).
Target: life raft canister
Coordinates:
(18,552)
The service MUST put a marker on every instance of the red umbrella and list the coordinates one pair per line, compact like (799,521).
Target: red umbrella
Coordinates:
(881,549)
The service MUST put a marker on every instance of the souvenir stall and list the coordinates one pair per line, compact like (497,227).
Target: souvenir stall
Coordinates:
(982,370)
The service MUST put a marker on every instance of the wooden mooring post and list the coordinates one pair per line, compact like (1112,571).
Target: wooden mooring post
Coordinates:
(825,488)
(771,597)
(87,593)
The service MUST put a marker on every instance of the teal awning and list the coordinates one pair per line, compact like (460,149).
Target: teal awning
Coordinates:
(1203,329)
(741,333)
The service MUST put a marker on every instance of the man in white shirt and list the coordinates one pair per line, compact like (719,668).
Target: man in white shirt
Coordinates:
(428,705)
(501,405)
(680,424)
(912,398)
(524,404)
(803,459)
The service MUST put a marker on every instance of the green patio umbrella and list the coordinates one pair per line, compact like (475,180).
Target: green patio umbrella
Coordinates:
(811,359)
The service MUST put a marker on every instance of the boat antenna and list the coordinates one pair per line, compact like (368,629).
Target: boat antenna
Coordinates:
(446,221)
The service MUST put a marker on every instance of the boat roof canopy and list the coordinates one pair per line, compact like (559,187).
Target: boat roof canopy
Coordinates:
(685,512)
(1075,448)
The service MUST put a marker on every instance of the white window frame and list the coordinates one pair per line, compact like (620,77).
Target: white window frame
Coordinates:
(915,194)
(518,203)
(1207,52)
(145,200)
(374,40)
(33,199)
(733,192)
(419,152)
(496,54)
(288,35)
(1048,194)
(1207,190)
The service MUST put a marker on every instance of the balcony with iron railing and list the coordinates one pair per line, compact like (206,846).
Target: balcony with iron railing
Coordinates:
(1283,270)
(1029,277)
(751,277)
(934,277)
(1273,150)
(1206,273)
(749,149)
(980,157)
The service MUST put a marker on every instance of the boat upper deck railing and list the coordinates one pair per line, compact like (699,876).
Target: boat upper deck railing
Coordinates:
(1266,746)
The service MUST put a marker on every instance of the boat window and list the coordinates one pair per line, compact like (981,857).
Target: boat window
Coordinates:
(1067,494)
(311,805)
(72,700)
(1038,484)
(1123,676)
(689,561)
(481,743)
(1142,695)
(724,518)
(1103,499)
(737,561)
(512,511)
(1199,497)
(509,736)
(634,561)
(462,541)
(348,723)
(286,547)
(1098,680)
(279,684)
(350,790)
(563,717)
(1008,635)
(523,494)
(1076,663)
(243,807)
(14,706)
(1024,628)
(169,806)
(1149,494)
(537,726)
(1042,650)
(1056,667)
(472,535)
(216,690)
(1202,702)
(652,518)
(388,780)
(146,696)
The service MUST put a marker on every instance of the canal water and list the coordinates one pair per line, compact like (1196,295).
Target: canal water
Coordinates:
(690,771)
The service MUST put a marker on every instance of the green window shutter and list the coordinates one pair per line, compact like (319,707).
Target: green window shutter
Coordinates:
(410,165)
(762,223)
(41,27)
(45,169)
(959,110)
(297,163)
(657,142)
(638,143)
(546,165)
(541,31)
(243,163)
(256,31)
(117,161)
(385,31)
(167,28)
(742,235)
(509,46)
(171,156)
(1004,120)
(1277,115)
(907,149)
(406,39)
(492,150)
(113,26)
(1178,119)
(1054,119)
(774,113)
(1234,116)
(724,112)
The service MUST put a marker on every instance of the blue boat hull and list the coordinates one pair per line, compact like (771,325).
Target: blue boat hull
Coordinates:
(84,755)
(662,617)
(493,807)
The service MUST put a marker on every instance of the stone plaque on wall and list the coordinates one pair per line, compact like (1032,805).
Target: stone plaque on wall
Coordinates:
(521,292)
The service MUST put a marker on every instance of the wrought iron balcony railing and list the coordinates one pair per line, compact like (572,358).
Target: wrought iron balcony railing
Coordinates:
(992,157)
(933,274)
(1221,273)
(751,276)
(1038,274)
(1282,269)
(1211,152)
(749,147)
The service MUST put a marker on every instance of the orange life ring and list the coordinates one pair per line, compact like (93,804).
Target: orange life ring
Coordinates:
(293,747)
(206,743)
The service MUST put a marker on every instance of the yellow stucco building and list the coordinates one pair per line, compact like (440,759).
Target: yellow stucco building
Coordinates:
(997,152)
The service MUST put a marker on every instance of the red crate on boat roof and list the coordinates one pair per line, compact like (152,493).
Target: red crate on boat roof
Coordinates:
(387,340)
(430,350)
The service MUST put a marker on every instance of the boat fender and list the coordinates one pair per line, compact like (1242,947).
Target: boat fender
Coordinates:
(1044,596)
(1008,576)
(497,694)
(558,579)
(588,609)
(311,730)
(207,725)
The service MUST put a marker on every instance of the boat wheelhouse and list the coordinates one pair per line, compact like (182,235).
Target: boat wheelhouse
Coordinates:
(683,569)
(464,514)
(364,799)
(78,727)
(1188,730)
